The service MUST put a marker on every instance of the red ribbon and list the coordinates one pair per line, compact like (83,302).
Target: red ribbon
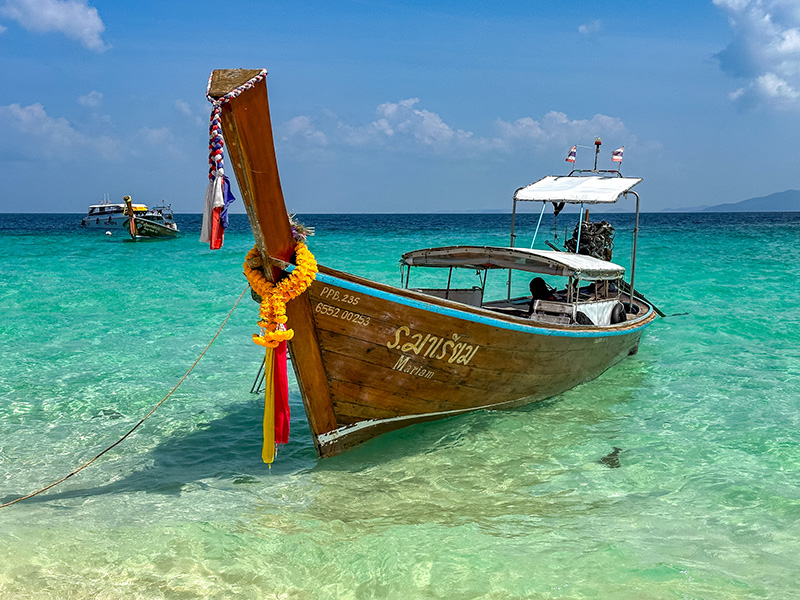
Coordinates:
(281,387)
(217,230)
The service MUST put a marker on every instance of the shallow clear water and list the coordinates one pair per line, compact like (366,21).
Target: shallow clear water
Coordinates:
(515,504)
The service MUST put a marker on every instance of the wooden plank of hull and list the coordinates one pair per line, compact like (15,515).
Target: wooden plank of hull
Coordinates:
(371,370)
(394,357)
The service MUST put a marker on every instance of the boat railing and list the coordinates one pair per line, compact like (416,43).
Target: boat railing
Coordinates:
(471,296)
(598,171)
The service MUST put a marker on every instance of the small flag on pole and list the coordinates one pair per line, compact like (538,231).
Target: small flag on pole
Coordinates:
(616,155)
(571,155)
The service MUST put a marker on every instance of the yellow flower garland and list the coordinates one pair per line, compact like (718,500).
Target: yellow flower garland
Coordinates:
(272,312)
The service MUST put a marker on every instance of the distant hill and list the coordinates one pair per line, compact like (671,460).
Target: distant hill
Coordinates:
(788,201)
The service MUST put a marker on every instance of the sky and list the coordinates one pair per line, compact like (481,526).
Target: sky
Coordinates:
(402,106)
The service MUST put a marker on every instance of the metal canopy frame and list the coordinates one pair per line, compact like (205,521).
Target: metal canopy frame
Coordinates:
(580,214)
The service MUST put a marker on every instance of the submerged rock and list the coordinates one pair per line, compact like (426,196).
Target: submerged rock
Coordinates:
(612,460)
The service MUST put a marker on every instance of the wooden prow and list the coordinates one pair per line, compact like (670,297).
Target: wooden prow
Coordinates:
(247,131)
(131,217)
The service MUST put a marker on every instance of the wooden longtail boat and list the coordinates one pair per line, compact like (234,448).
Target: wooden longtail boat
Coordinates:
(156,222)
(370,358)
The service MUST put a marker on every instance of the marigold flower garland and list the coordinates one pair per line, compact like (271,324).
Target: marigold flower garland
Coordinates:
(272,312)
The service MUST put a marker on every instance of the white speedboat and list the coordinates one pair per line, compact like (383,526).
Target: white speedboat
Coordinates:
(107,216)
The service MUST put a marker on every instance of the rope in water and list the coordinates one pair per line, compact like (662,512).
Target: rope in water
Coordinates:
(135,427)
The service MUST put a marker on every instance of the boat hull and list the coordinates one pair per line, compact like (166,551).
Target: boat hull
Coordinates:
(150,229)
(104,222)
(395,357)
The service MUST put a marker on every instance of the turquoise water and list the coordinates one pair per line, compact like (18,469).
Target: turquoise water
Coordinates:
(95,330)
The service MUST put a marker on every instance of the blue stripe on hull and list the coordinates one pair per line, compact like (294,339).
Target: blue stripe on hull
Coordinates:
(466,316)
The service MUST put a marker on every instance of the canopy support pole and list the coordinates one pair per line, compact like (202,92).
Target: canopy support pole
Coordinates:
(635,239)
(513,237)
(535,233)
(580,222)
(513,219)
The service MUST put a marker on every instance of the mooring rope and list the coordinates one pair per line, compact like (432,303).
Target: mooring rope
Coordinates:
(135,427)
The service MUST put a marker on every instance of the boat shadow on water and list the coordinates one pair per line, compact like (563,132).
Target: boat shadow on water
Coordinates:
(226,451)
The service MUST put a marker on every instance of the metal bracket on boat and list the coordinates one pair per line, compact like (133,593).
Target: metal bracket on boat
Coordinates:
(257,262)
(277,262)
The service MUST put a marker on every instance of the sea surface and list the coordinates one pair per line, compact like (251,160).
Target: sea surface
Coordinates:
(701,501)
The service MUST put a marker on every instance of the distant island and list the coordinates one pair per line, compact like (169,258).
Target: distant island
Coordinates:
(788,201)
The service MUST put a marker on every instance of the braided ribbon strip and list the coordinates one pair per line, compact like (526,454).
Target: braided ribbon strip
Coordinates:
(216,163)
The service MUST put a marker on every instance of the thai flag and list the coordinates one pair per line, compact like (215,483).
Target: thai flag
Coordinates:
(215,215)
(219,221)
(616,155)
(571,155)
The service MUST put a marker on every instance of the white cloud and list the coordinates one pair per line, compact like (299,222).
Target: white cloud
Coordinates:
(74,18)
(397,125)
(154,141)
(771,86)
(556,130)
(736,94)
(765,50)
(186,110)
(402,119)
(404,124)
(40,136)
(590,27)
(184,107)
(91,100)
(302,128)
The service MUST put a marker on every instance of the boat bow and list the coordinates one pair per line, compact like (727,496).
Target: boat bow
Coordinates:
(370,357)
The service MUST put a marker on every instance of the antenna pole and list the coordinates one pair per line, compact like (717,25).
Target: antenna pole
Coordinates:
(635,238)
(597,143)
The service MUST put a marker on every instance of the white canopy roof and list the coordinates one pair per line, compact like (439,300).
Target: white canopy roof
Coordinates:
(577,190)
(548,262)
